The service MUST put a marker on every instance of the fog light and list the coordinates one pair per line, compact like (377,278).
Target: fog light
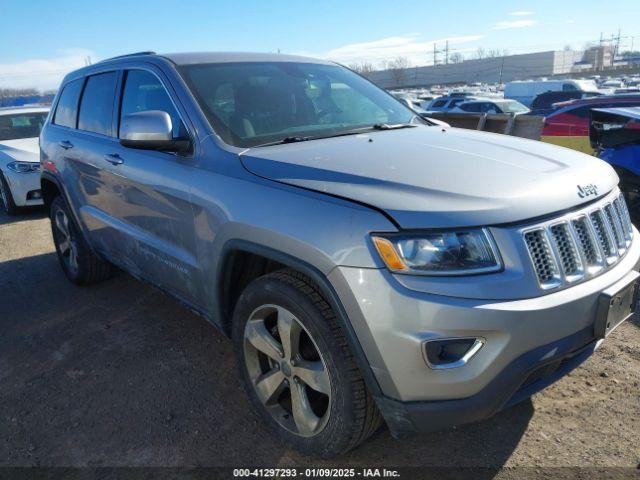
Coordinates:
(34,195)
(450,352)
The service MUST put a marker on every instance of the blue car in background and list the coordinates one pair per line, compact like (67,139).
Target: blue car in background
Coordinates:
(615,135)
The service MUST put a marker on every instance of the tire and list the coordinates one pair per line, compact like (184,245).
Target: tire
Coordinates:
(317,424)
(7,198)
(79,263)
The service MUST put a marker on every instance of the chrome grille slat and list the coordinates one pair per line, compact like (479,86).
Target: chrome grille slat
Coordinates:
(625,213)
(621,211)
(604,235)
(543,259)
(587,241)
(615,224)
(576,247)
(566,250)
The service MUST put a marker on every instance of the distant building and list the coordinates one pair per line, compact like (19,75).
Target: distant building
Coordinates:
(486,70)
(600,57)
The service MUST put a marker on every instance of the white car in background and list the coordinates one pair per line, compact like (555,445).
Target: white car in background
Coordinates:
(20,156)
(490,106)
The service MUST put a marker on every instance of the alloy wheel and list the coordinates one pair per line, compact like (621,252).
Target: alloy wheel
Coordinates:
(66,242)
(287,371)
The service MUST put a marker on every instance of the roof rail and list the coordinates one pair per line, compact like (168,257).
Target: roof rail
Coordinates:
(135,54)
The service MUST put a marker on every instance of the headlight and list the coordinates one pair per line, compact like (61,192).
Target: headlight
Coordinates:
(439,253)
(24,167)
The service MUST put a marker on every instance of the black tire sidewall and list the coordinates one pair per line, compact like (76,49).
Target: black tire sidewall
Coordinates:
(337,433)
(10,208)
(76,277)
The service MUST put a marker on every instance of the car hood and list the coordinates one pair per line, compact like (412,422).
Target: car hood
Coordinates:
(23,149)
(431,177)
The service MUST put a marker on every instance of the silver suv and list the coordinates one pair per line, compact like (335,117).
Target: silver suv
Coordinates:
(367,265)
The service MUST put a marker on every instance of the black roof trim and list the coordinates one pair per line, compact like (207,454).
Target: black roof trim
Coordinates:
(135,54)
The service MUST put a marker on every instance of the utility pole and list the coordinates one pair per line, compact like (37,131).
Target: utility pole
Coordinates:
(616,48)
(446,53)
(501,70)
(434,54)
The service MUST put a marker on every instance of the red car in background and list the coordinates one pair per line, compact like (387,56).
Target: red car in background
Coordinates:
(568,124)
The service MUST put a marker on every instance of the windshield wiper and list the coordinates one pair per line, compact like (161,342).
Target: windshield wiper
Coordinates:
(354,131)
(396,126)
(285,140)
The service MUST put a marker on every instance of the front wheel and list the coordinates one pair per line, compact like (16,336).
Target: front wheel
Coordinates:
(297,369)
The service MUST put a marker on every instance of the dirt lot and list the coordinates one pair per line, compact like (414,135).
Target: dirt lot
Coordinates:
(121,375)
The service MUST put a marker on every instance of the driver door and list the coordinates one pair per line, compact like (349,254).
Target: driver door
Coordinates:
(155,217)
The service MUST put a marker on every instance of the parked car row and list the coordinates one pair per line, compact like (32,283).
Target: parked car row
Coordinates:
(568,124)
(615,136)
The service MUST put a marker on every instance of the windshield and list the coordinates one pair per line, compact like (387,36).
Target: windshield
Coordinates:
(21,125)
(512,107)
(250,104)
(586,85)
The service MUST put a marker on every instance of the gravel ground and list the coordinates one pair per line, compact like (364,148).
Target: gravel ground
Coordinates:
(120,374)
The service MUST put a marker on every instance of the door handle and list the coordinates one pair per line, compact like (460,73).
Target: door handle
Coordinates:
(66,144)
(114,158)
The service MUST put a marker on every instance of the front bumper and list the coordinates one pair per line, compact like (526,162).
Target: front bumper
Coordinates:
(21,185)
(545,336)
(528,374)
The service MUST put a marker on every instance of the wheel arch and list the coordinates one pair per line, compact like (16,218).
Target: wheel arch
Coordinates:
(50,188)
(274,259)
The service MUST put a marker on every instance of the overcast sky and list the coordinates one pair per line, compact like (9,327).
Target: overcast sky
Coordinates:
(42,40)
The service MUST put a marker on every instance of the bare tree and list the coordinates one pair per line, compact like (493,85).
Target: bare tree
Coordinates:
(480,53)
(363,68)
(456,57)
(398,68)
(17,92)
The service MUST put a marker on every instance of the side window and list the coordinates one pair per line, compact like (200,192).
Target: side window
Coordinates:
(143,91)
(470,107)
(568,87)
(96,106)
(439,103)
(67,109)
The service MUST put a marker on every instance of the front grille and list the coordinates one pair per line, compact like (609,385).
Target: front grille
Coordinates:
(579,245)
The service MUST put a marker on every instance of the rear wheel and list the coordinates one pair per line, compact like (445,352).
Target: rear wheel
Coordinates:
(79,263)
(297,368)
(6,197)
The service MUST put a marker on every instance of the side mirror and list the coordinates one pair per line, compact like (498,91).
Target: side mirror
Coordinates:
(151,130)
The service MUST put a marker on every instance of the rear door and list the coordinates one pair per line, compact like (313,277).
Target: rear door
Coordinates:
(91,143)
(152,205)
(56,145)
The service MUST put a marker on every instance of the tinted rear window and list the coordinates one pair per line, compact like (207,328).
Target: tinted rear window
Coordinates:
(96,107)
(67,109)
(470,107)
